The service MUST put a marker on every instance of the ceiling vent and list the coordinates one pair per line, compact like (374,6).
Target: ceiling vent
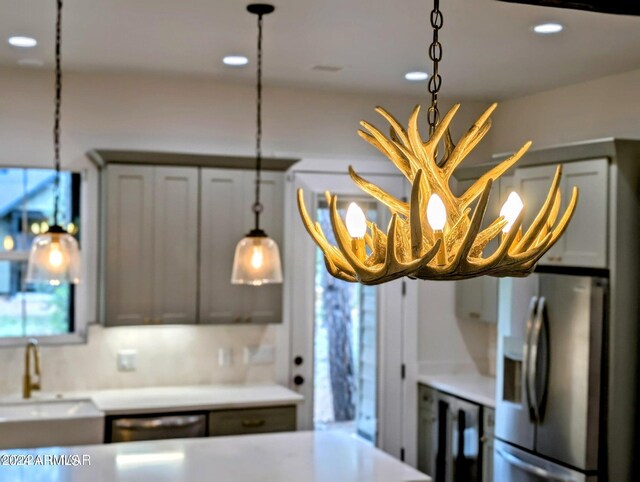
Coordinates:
(327,68)
(620,7)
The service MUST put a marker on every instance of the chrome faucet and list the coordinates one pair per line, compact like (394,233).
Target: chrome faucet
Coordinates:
(27,384)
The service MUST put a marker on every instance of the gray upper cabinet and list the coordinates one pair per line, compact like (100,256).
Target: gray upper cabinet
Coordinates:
(221,227)
(152,245)
(128,263)
(226,217)
(175,245)
(584,243)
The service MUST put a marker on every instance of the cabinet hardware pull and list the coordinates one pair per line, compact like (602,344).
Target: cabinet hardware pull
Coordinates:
(474,315)
(253,423)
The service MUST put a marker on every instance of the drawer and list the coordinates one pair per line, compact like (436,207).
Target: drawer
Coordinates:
(252,420)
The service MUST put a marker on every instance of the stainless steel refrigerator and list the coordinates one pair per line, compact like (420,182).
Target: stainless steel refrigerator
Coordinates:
(549,402)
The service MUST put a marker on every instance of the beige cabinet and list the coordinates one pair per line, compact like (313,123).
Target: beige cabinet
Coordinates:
(584,243)
(151,245)
(226,217)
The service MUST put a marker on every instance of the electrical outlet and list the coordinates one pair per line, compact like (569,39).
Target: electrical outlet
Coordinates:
(127,360)
(225,357)
(259,354)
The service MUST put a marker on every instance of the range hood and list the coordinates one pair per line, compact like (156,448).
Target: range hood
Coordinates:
(620,7)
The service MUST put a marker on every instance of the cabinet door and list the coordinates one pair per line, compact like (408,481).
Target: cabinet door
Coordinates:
(532,184)
(477,298)
(222,225)
(175,245)
(585,241)
(263,304)
(129,228)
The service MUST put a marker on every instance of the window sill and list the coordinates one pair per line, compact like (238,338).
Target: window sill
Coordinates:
(47,340)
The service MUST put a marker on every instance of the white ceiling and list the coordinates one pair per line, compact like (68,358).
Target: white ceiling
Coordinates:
(489,50)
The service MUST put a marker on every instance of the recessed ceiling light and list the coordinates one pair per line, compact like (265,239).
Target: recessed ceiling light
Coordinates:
(31,63)
(22,42)
(235,60)
(548,28)
(416,76)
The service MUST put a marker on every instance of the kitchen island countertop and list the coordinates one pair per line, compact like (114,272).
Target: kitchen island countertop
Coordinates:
(283,457)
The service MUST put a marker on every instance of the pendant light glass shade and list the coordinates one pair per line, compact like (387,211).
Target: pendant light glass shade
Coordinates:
(54,258)
(256,261)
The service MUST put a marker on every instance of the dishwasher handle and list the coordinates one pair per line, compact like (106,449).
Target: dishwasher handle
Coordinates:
(173,421)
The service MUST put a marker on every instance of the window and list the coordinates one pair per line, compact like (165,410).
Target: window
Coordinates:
(26,209)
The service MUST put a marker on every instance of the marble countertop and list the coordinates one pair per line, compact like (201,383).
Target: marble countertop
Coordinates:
(471,386)
(175,399)
(281,457)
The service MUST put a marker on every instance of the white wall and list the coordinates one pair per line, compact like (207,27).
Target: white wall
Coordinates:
(605,107)
(130,111)
(127,111)
(448,344)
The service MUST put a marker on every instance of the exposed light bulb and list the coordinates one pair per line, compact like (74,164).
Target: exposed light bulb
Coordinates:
(8,243)
(55,256)
(257,257)
(35,228)
(511,209)
(436,213)
(356,221)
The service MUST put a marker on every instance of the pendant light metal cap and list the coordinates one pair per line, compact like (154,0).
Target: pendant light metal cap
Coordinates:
(256,261)
(54,258)
(260,8)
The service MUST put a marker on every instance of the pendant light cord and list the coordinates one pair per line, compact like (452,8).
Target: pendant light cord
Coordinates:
(257,206)
(56,120)
(435,54)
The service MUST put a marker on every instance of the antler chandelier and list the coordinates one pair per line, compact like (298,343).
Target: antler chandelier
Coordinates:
(436,235)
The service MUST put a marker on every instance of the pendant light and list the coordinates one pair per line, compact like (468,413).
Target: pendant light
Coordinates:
(437,235)
(55,257)
(257,258)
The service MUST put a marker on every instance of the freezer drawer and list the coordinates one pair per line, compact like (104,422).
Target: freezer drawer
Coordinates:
(514,465)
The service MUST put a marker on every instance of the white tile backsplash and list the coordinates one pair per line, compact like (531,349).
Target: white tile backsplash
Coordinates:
(166,355)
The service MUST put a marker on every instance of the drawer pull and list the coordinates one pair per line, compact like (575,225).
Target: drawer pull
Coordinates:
(253,423)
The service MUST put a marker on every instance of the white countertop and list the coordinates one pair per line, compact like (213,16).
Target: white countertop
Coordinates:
(175,399)
(282,457)
(471,386)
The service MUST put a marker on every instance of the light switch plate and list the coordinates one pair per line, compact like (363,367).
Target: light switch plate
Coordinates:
(127,360)
(259,354)
(225,357)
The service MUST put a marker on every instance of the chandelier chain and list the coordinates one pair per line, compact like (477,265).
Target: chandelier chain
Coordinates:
(435,54)
(58,101)
(257,205)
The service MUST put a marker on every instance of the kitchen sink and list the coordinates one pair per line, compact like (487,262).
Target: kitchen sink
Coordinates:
(47,423)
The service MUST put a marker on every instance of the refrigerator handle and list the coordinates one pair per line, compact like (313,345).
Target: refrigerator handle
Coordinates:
(527,355)
(537,332)
(533,469)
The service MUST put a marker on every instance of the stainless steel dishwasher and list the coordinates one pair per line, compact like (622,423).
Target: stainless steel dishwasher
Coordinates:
(132,429)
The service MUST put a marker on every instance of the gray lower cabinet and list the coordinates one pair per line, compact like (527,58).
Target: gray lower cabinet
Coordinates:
(252,420)
(214,423)
(455,438)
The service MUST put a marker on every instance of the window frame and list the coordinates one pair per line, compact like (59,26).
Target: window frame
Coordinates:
(77,323)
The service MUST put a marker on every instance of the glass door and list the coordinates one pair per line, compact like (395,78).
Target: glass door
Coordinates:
(345,343)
